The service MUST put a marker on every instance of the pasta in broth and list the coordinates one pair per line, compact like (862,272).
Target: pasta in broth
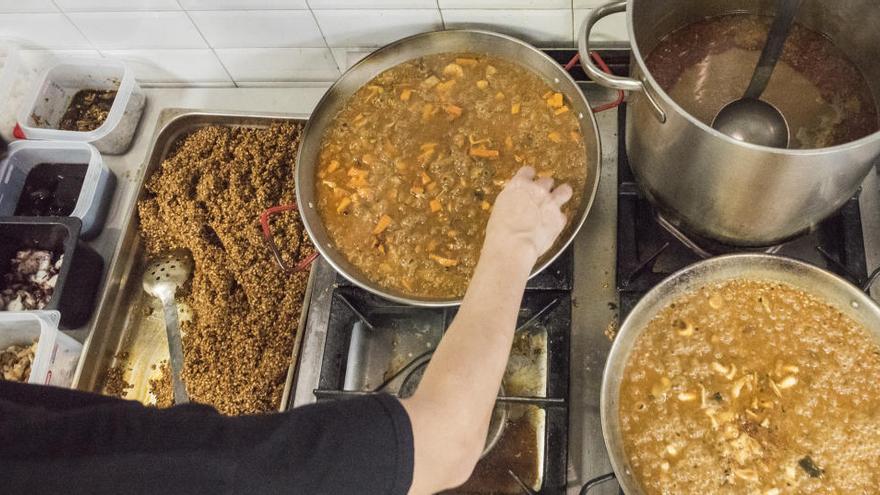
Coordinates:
(753,387)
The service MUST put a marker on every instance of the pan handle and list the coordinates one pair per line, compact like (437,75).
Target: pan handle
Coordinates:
(596,74)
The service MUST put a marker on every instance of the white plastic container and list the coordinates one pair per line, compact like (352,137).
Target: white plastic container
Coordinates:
(57,354)
(98,183)
(13,87)
(42,113)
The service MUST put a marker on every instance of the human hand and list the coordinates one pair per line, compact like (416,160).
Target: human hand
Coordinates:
(527,213)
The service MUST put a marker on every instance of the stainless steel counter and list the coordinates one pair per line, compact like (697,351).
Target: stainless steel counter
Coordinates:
(127,167)
(595,297)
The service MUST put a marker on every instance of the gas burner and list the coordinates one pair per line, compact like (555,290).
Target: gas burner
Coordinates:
(706,248)
(376,346)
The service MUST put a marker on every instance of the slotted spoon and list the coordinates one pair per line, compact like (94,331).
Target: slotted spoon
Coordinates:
(162,277)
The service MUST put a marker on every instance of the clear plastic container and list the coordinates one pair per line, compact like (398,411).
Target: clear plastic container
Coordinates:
(13,87)
(97,188)
(56,355)
(42,114)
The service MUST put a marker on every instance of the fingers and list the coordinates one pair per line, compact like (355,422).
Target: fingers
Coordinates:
(561,194)
(527,173)
(545,183)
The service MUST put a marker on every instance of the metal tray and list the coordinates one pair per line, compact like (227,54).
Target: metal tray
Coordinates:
(123,323)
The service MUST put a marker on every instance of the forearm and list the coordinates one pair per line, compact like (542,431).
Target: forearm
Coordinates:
(457,392)
(468,365)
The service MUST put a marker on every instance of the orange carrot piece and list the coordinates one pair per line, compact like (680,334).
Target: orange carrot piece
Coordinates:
(406,94)
(333,166)
(555,137)
(453,110)
(426,179)
(435,205)
(561,110)
(515,108)
(556,100)
(467,62)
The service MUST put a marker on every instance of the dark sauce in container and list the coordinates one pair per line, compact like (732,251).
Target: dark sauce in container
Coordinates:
(51,189)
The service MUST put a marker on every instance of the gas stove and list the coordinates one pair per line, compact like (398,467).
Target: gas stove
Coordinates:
(375,346)
(551,440)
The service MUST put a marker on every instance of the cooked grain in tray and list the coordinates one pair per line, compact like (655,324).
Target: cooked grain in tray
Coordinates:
(207,197)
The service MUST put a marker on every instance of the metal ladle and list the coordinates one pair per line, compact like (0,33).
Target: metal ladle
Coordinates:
(749,118)
(162,277)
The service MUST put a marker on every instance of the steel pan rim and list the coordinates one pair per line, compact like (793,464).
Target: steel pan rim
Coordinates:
(312,131)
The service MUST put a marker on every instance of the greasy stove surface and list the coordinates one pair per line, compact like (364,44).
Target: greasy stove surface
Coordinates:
(374,345)
(601,267)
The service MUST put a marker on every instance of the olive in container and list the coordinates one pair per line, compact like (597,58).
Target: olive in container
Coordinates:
(75,267)
(53,178)
(97,101)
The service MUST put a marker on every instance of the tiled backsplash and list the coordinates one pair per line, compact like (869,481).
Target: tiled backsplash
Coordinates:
(243,42)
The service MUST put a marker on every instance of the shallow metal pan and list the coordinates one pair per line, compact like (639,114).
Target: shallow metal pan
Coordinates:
(826,286)
(451,41)
(123,323)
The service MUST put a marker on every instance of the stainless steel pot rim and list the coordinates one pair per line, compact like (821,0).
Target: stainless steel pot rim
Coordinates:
(589,196)
(655,88)
(745,260)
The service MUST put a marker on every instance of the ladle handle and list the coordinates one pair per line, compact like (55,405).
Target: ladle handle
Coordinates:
(175,349)
(785,14)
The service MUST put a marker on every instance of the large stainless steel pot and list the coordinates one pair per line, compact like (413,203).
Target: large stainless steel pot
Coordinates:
(829,287)
(407,49)
(711,184)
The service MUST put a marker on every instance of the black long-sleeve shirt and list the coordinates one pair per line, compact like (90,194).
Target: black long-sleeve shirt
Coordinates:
(54,440)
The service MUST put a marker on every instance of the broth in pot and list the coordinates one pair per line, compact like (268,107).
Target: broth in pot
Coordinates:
(823,96)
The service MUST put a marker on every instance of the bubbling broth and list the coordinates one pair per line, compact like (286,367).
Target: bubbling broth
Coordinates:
(823,96)
(753,387)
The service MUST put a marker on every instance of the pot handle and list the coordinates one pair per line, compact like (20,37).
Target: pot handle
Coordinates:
(603,78)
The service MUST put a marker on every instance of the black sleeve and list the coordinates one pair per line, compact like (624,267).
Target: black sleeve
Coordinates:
(61,441)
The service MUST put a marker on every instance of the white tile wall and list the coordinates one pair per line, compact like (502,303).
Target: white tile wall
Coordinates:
(279,64)
(253,42)
(539,27)
(259,28)
(167,65)
(127,30)
(505,4)
(611,29)
(243,4)
(346,57)
(374,27)
(42,31)
(27,6)
(115,5)
(588,4)
(372,4)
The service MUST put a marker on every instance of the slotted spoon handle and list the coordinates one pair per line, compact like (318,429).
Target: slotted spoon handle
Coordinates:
(175,350)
